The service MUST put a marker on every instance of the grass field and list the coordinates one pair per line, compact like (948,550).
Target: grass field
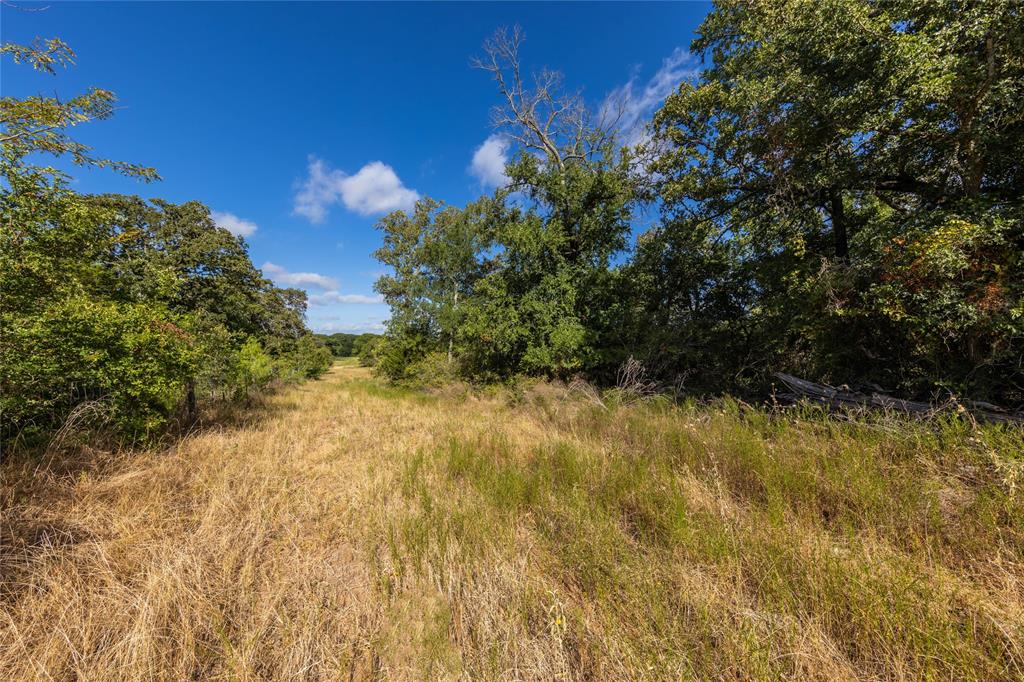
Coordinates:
(349,530)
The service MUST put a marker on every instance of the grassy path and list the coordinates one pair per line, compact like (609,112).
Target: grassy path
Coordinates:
(349,530)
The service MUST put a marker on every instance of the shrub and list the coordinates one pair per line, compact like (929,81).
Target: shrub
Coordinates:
(432,370)
(136,357)
(253,368)
(370,351)
(307,358)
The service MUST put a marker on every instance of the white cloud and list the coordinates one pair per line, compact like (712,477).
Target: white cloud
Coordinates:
(318,191)
(334,296)
(330,293)
(489,161)
(358,327)
(233,224)
(375,189)
(299,279)
(631,105)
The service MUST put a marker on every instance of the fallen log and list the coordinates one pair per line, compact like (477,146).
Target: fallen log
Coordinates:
(844,397)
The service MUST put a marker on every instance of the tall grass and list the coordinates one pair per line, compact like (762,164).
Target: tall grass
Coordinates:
(358,531)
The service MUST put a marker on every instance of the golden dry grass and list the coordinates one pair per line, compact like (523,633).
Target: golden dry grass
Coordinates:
(348,530)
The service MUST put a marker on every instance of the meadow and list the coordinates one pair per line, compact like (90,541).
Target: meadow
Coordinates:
(348,529)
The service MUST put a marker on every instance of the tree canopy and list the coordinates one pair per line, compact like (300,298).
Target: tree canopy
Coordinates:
(115,309)
(838,195)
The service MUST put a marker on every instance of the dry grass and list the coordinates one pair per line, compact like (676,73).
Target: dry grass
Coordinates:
(351,531)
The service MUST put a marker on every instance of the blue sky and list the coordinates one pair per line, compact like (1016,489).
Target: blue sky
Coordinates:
(299,124)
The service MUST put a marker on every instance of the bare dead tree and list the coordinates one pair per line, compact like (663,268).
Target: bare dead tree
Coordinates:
(540,115)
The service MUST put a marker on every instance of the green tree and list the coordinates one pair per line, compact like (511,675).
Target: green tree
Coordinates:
(253,367)
(60,345)
(522,281)
(547,295)
(434,255)
(177,254)
(841,189)
(341,344)
(114,306)
(39,123)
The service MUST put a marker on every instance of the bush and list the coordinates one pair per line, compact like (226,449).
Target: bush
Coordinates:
(432,370)
(253,368)
(314,357)
(137,358)
(307,358)
(369,351)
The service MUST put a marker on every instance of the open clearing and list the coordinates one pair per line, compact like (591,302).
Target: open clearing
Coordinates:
(349,530)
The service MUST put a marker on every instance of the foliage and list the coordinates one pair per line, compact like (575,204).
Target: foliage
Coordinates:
(518,282)
(838,196)
(38,124)
(369,351)
(433,255)
(344,345)
(304,358)
(253,367)
(131,357)
(141,307)
(847,207)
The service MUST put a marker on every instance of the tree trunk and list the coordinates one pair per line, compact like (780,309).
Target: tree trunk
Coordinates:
(451,333)
(838,214)
(190,401)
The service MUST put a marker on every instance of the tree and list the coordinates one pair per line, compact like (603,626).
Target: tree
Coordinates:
(157,242)
(826,144)
(542,306)
(340,343)
(435,256)
(115,307)
(39,124)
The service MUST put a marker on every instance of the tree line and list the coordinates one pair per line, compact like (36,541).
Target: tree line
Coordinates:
(343,345)
(837,195)
(116,311)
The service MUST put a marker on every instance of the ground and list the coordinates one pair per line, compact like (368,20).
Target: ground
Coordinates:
(345,529)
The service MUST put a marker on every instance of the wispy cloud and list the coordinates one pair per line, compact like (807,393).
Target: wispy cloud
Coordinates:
(334,296)
(374,189)
(489,159)
(233,224)
(632,104)
(299,279)
(332,325)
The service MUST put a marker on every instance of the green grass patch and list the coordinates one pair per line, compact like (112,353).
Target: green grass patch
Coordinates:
(719,540)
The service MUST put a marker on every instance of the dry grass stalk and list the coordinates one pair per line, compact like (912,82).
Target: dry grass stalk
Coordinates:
(357,531)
